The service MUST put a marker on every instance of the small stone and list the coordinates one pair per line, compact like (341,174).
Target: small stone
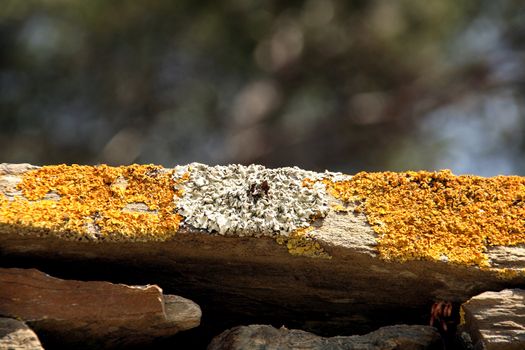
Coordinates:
(16,335)
(385,338)
(93,314)
(496,320)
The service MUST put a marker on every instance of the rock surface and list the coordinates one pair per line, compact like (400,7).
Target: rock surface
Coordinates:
(263,337)
(330,278)
(16,335)
(87,314)
(496,320)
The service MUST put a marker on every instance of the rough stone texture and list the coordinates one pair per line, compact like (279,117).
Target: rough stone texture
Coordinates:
(496,320)
(269,338)
(16,335)
(248,280)
(507,257)
(94,313)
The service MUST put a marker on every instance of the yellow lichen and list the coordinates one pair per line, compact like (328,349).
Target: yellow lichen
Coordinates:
(299,243)
(461,316)
(436,215)
(90,202)
(340,208)
(509,273)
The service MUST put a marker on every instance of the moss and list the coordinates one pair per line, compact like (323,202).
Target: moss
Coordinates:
(92,202)
(436,215)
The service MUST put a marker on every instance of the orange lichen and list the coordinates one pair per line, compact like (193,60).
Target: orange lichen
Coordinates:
(436,215)
(96,202)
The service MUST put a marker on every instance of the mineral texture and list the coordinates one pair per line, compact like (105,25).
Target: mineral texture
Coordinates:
(386,338)
(16,335)
(496,320)
(93,314)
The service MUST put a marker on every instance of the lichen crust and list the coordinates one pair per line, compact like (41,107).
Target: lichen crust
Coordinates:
(93,203)
(301,242)
(437,215)
(251,200)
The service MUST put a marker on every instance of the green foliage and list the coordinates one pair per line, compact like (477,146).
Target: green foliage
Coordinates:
(322,84)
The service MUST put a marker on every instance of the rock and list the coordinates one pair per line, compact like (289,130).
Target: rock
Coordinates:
(269,338)
(363,265)
(16,335)
(93,314)
(496,320)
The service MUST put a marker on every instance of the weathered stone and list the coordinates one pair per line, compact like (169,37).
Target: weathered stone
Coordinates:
(269,338)
(507,257)
(496,320)
(93,313)
(351,289)
(16,335)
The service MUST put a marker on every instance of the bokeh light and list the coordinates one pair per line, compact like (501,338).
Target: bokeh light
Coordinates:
(321,84)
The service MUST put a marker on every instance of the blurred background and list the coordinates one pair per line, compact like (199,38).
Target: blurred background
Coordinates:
(321,84)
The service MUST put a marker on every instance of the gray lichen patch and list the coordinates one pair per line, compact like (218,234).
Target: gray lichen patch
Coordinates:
(251,200)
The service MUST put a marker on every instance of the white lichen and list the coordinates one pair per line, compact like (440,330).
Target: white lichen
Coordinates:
(251,200)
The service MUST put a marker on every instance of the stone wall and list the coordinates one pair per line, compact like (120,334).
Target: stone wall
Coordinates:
(327,253)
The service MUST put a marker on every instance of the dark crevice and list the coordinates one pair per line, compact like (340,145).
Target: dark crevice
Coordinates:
(222,308)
